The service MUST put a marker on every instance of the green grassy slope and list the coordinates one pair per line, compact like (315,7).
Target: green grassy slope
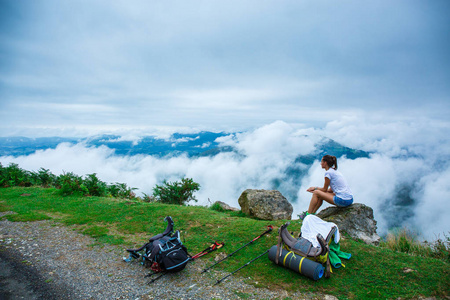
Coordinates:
(371,273)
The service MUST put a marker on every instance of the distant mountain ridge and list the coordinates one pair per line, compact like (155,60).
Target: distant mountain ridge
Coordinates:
(18,146)
(193,145)
(190,144)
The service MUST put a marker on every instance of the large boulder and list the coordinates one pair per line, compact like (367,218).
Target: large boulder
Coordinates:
(356,220)
(266,205)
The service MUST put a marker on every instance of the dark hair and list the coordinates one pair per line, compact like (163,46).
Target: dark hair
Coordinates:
(331,161)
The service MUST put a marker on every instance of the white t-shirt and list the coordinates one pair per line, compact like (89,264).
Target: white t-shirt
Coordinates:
(338,184)
(312,225)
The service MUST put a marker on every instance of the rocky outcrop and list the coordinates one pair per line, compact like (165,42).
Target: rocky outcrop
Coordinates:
(356,220)
(266,205)
(225,206)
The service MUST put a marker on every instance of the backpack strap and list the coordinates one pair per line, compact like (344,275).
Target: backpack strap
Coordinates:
(280,241)
(325,244)
(331,234)
(168,231)
(137,250)
(134,253)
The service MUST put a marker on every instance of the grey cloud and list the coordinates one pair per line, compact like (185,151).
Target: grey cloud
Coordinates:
(136,55)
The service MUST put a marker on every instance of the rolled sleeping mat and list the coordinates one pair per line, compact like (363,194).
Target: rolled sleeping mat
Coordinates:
(297,263)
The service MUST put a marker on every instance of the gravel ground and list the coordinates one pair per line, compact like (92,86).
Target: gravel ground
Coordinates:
(55,262)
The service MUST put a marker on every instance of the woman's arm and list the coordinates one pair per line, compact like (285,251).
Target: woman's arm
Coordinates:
(323,189)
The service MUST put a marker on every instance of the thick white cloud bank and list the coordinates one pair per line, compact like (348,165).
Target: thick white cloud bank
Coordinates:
(405,179)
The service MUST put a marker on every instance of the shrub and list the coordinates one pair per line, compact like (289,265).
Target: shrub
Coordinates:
(12,175)
(43,177)
(176,192)
(3,179)
(121,190)
(70,184)
(95,186)
(217,207)
(148,198)
(441,248)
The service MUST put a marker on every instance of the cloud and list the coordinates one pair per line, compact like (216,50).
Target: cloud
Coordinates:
(239,99)
(220,64)
(433,206)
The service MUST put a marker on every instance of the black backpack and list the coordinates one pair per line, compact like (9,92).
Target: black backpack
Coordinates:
(163,252)
(167,254)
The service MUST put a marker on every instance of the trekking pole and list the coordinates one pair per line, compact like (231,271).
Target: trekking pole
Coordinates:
(210,249)
(269,229)
(219,281)
(154,279)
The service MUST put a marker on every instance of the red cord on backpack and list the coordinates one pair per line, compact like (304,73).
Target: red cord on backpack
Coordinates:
(156,268)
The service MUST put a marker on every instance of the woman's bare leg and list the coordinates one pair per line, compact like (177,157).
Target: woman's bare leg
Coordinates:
(317,200)
(314,204)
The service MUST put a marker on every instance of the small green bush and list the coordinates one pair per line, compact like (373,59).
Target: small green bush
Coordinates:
(121,190)
(13,175)
(216,206)
(95,186)
(43,178)
(71,184)
(176,192)
(148,198)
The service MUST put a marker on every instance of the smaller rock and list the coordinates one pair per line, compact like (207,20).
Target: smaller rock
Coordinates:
(225,206)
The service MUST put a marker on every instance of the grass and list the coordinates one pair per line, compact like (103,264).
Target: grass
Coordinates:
(371,273)
(404,240)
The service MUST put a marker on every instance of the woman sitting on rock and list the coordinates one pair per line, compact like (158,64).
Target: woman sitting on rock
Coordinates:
(335,189)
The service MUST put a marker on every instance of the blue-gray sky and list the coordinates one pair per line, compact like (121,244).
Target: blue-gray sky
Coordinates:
(219,65)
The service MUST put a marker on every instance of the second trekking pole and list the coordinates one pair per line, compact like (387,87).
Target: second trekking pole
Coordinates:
(220,280)
(269,229)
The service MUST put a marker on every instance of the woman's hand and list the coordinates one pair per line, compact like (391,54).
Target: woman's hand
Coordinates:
(311,189)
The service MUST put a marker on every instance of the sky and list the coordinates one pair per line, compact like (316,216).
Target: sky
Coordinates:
(277,75)
(77,67)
